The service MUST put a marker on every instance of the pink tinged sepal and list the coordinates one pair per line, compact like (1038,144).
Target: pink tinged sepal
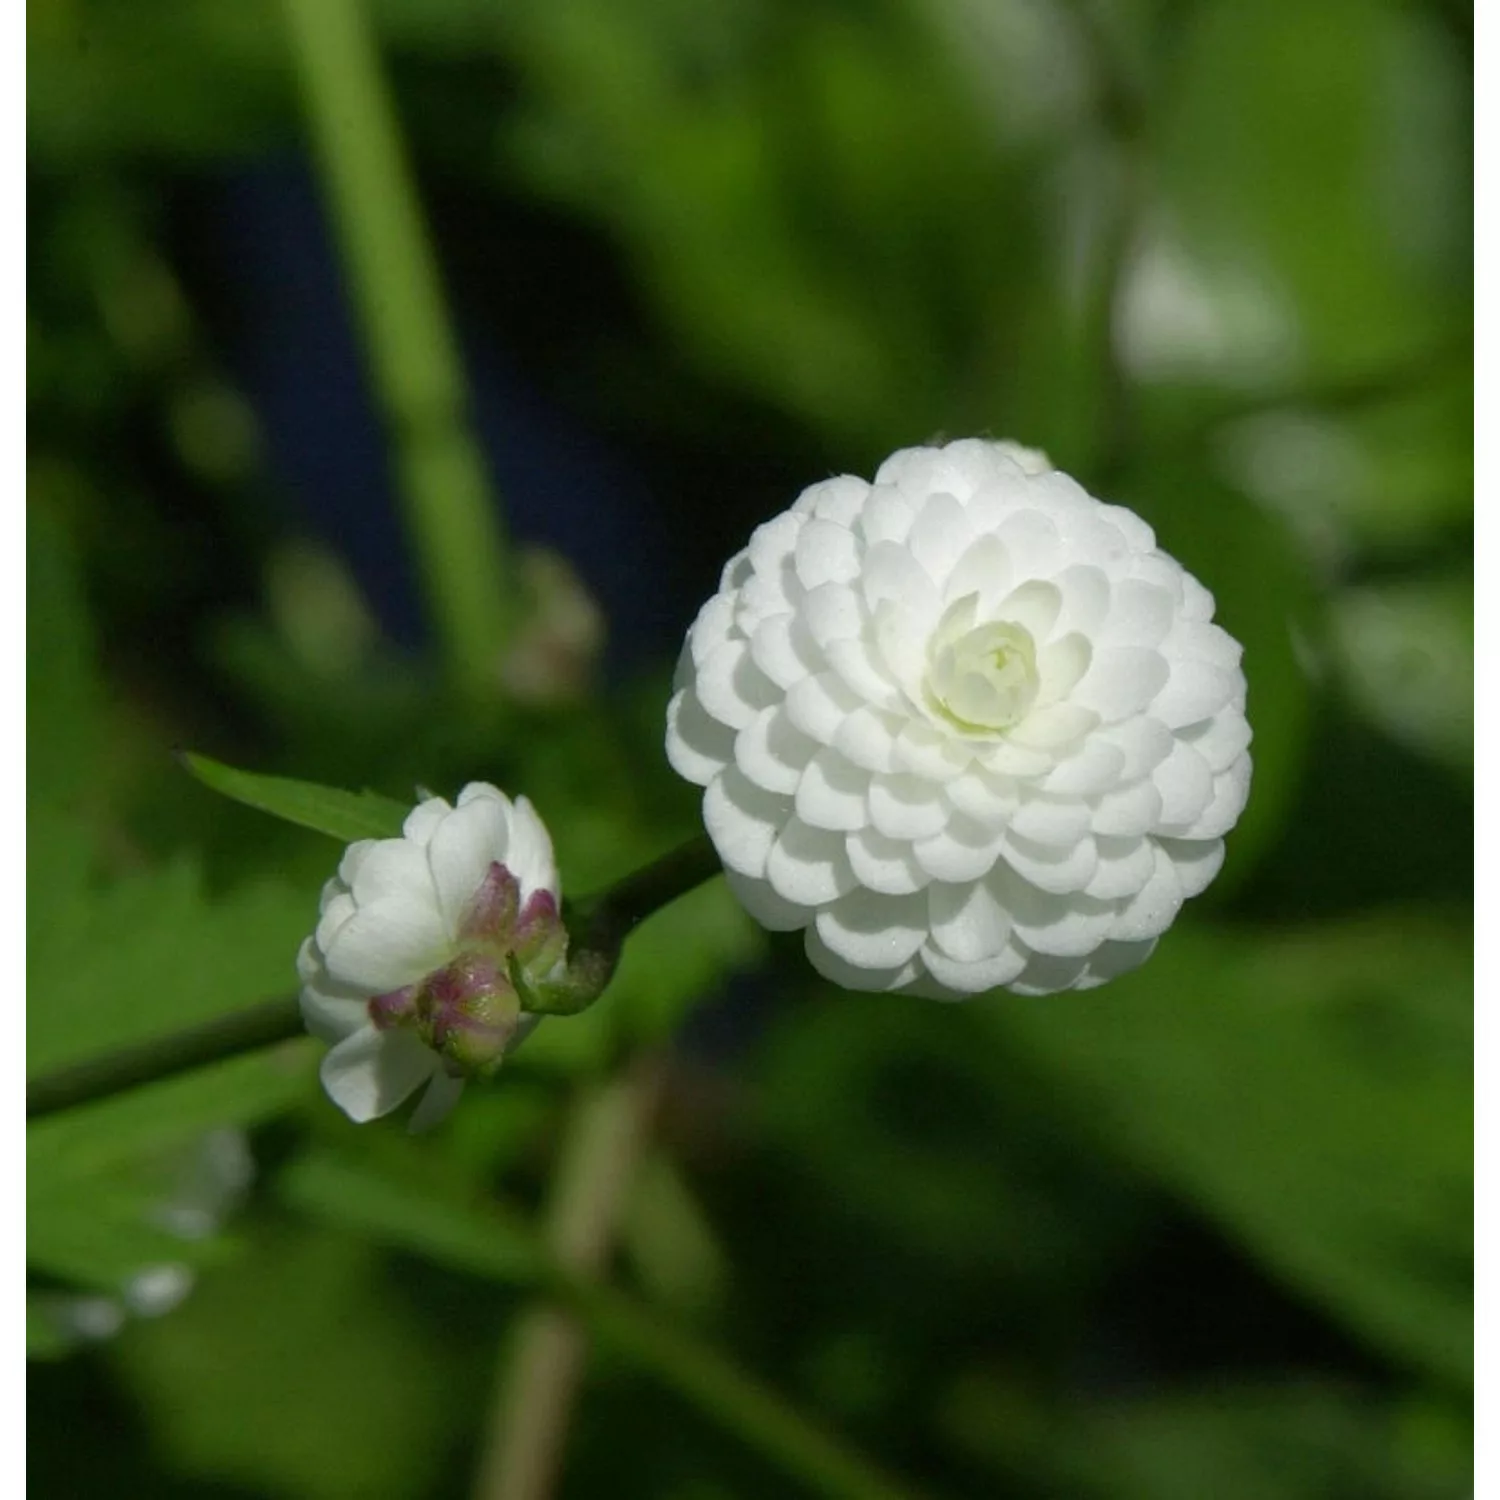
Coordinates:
(491,915)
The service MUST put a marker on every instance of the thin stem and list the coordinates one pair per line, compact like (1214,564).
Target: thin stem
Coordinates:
(393,279)
(546,1353)
(165,1057)
(598,925)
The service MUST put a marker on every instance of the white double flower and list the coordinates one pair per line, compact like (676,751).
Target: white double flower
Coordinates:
(967,726)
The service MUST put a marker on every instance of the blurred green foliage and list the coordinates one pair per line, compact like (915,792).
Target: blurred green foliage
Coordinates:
(1205,1232)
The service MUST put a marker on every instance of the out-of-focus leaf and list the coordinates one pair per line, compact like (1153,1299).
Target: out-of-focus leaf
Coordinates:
(352,1196)
(1313,153)
(300,1370)
(1406,653)
(342,815)
(1310,1090)
(62,697)
(1297,1441)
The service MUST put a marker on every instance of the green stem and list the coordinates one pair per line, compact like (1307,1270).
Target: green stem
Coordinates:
(499,1244)
(164,1057)
(598,925)
(393,280)
(547,1351)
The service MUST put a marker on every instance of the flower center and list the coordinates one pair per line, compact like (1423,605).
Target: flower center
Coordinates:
(981,678)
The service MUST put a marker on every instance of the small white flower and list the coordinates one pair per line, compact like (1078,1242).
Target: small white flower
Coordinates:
(409,972)
(965,725)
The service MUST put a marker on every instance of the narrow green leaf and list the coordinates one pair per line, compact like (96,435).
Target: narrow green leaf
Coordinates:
(341,815)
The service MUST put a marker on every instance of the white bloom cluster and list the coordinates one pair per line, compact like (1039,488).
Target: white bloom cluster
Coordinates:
(965,725)
(409,972)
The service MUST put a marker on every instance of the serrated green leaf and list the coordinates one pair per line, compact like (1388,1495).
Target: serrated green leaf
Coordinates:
(342,815)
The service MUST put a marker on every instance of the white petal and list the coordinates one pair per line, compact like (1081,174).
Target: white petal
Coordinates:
(1050,974)
(436,1104)
(1145,743)
(1121,682)
(832,612)
(1110,960)
(743,820)
(1194,692)
(1231,790)
(1060,666)
(1141,614)
(712,628)
(884,864)
(819,705)
(984,570)
(886,517)
(1058,822)
(1059,872)
(784,649)
(839,500)
(1186,786)
(851,976)
(330,1011)
(389,944)
(1009,760)
(1221,741)
(1139,537)
(423,818)
(873,931)
(773,912)
(530,858)
(891,572)
(903,806)
(338,909)
(1065,926)
(354,856)
(968,920)
(965,979)
(772,751)
(826,553)
(832,793)
(1034,606)
(1085,594)
(962,849)
(940,535)
(808,865)
(373,1072)
(1197,861)
(900,638)
(1197,602)
(1032,543)
(929,753)
(396,870)
(1125,865)
(1094,767)
(698,746)
(1153,908)
(1128,811)
(731,687)
(464,846)
(865,673)
(987,798)
(868,738)
(772,542)
(1057,727)
(1196,640)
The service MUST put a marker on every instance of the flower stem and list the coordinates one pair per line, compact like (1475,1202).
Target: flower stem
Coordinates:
(393,279)
(598,925)
(548,1347)
(164,1057)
